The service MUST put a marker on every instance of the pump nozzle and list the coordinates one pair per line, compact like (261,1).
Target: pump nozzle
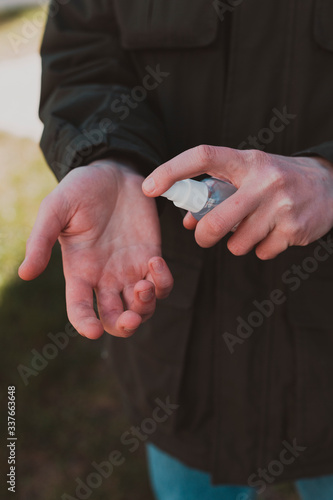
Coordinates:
(188,194)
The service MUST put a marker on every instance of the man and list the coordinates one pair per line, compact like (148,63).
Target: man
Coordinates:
(239,353)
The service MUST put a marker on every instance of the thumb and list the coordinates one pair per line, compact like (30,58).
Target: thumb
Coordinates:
(51,219)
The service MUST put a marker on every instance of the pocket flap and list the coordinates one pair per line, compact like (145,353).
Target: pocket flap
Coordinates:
(323,32)
(166,23)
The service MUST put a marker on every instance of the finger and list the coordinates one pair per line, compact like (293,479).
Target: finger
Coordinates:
(141,298)
(115,320)
(222,219)
(213,160)
(249,233)
(275,243)
(189,221)
(127,323)
(160,275)
(44,234)
(80,310)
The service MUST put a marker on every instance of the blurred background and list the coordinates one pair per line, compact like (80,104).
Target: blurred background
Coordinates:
(68,407)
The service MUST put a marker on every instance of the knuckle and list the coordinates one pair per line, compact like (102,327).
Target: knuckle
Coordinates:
(206,154)
(167,171)
(296,232)
(273,176)
(287,231)
(291,224)
(255,156)
(286,207)
(277,177)
(214,224)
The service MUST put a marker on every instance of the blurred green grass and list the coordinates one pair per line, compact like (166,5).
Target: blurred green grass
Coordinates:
(70,413)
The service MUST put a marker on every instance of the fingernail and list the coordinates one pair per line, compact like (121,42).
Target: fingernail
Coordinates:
(158,265)
(127,330)
(149,184)
(146,296)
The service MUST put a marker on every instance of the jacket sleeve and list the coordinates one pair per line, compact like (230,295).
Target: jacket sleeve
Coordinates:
(324,150)
(85,73)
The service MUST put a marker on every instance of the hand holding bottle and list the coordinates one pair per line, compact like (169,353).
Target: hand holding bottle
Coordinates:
(280,201)
(199,197)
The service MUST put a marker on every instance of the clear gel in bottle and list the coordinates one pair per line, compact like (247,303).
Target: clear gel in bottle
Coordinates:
(199,197)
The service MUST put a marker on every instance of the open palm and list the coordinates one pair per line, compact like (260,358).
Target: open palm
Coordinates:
(110,241)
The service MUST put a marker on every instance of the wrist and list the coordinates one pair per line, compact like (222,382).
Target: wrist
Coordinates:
(319,160)
(328,167)
(120,166)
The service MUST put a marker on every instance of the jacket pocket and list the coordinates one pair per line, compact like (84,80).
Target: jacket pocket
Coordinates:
(311,319)
(309,280)
(148,24)
(323,20)
(314,394)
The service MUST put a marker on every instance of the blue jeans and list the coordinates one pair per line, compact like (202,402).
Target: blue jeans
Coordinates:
(172,480)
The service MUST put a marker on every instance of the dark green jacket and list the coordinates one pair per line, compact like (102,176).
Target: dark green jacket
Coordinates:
(244,347)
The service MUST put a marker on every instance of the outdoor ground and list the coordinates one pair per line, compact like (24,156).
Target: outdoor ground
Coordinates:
(69,411)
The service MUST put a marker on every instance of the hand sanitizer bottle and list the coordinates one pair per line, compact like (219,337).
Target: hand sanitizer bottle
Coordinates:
(199,197)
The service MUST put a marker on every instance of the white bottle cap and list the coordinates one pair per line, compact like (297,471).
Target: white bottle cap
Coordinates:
(188,194)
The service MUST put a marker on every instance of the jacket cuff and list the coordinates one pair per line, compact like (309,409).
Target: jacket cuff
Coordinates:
(325,150)
(138,136)
(72,149)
